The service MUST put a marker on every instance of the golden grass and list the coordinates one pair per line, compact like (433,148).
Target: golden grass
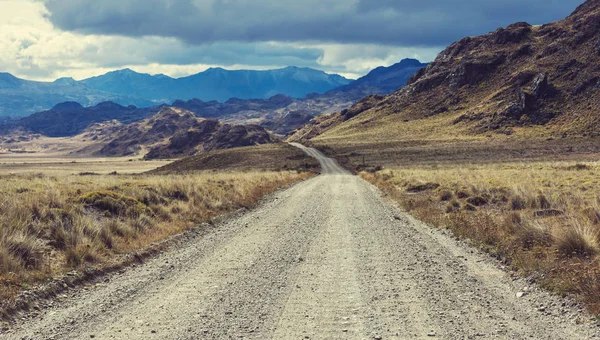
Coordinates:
(52,224)
(543,218)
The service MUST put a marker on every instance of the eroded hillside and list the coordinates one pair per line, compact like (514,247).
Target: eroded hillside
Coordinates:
(525,80)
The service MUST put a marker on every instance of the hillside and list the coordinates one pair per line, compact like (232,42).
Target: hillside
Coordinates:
(170,133)
(522,80)
(70,118)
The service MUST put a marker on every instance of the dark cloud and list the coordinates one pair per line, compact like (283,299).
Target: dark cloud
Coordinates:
(390,22)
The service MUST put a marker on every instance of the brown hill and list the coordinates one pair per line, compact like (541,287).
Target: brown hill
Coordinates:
(208,135)
(531,81)
(172,132)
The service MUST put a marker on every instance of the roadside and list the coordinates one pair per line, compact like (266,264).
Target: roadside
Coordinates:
(533,206)
(63,229)
(325,259)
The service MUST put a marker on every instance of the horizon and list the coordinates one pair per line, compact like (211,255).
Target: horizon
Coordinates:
(47,40)
(212,67)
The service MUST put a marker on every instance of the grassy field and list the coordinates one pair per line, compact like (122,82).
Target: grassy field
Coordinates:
(60,215)
(542,217)
(271,157)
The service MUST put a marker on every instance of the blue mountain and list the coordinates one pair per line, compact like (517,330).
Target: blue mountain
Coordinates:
(217,84)
(20,97)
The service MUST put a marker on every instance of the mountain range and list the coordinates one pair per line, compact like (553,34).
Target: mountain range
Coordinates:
(525,81)
(281,114)
(20,97)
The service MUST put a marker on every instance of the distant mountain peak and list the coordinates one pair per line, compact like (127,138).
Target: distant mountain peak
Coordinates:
(67,106)
(65,80)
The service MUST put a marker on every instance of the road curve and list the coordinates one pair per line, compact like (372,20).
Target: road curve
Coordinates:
(328,258)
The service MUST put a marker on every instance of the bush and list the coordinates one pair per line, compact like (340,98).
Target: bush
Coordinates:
(422,187)
(462,194)
(477,201)
(113,204)
(453,206)
(469,207)
(517,202)
(446,195)
(578,240)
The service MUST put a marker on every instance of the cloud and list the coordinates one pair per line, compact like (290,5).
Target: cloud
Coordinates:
(48,39)
(388,22)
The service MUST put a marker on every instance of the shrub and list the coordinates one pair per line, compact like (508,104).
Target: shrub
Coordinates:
(422,187)
(113,203)
(469,207)
(21,251)
(462,194)
(446,195)
(517,202)
(453,206)
(543,202)
(577,240)
(477,201)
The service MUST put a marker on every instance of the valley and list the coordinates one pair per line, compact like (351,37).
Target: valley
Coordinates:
(452,199)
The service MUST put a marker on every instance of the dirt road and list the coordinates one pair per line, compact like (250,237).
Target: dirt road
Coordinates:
(325,259)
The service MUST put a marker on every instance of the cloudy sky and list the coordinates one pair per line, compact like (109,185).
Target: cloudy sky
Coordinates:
(48,39)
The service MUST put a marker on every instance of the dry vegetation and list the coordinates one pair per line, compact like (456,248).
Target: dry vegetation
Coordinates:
(51,224)
(272,157)
(542,218)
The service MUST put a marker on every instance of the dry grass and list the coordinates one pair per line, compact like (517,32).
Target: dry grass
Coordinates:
(543,218)
(52,224)
(279,156)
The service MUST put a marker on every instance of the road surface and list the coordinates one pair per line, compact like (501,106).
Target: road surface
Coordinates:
(328,258)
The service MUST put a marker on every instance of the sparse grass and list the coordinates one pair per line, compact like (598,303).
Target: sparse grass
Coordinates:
(52,224)
(280,156)
(542,217)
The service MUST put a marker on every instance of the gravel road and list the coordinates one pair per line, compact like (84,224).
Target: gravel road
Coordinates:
(328,258)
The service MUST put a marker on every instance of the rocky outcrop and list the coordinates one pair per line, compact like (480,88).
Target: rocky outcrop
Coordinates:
(521,75)
(210,135)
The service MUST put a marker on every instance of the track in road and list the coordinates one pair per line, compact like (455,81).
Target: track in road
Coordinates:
(325,259)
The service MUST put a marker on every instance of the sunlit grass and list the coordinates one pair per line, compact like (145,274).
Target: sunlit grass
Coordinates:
(543,218)
(53,224)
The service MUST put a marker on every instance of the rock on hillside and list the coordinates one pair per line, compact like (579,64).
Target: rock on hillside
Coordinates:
(209,135)
(508,81)
(174,132)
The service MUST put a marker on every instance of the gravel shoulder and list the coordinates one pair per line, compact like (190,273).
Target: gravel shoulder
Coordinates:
(328,258)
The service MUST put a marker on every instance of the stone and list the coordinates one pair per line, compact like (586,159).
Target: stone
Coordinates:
(540,84)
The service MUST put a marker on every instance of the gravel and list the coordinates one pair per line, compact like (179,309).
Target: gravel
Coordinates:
(328,258)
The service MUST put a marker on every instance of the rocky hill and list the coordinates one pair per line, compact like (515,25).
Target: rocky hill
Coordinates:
(70,118)
(170,133)
(523,80)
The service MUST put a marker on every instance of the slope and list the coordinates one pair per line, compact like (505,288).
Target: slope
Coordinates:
(522,80)
(170,133)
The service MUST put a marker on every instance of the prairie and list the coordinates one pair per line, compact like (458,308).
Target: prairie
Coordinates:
(69,214)
(540,217)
